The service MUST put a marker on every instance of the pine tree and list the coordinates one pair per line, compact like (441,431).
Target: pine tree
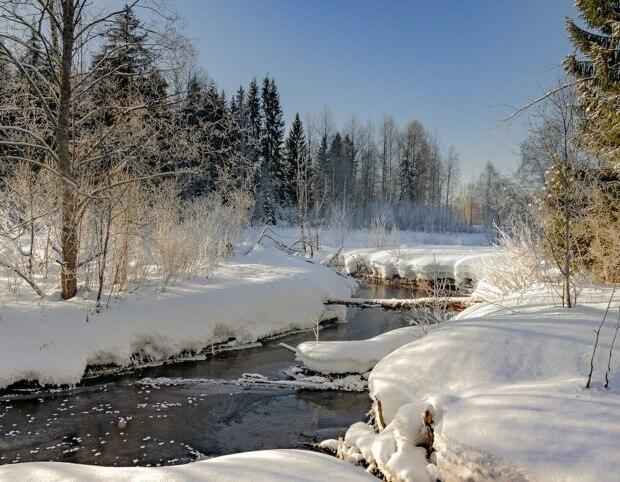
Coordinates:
(599,75)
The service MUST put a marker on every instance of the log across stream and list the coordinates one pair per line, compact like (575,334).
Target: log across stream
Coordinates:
(455,303)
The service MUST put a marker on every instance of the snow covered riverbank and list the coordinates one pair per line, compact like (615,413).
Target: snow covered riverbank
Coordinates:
(263,466)
(248,298)
(418,263)
(504,383)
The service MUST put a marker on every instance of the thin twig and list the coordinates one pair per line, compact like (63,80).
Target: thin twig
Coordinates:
(598,332)
(611,349)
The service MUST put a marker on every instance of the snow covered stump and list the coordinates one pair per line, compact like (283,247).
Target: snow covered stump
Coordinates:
(398,452)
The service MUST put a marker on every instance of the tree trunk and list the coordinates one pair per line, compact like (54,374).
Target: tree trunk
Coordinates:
(567,222)
(69,245)
(68,225)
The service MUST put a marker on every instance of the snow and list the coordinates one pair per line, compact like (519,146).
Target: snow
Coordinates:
(506,383)
(394,451)
(264,465)
(357,356)
(250,297)
(426,263)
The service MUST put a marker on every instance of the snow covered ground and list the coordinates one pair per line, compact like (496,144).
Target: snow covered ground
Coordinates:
(504,383)
(366,238)
(265,465)
(250,297)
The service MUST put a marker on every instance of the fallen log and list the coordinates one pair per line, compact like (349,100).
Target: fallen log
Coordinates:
(456,303)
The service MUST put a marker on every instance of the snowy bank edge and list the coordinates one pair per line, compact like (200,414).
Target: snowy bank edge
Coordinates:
(249,298)
(264,465)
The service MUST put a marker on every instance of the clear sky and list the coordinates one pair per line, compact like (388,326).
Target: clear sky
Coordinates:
(452,64)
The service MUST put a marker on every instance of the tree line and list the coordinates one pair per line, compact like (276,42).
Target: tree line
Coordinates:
(113,145)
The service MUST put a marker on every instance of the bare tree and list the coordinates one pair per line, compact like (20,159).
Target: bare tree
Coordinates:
(451,174)
(388,135)
(88,148)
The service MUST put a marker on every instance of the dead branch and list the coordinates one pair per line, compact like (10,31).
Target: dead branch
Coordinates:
(25,277)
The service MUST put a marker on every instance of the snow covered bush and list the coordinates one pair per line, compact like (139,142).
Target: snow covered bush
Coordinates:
(190,238)
(383,232)
(519,264)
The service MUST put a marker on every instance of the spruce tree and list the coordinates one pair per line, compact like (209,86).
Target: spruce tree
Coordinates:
(254,111)
(295,164)
(241,140)
(599,74)
(322,171)
(271,146)
(336,182)
(124,58)
(348,156)
(238,108)
(193,100)
(255,127)
(215,113)
(193,116)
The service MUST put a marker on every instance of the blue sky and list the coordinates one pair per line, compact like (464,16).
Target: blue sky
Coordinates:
(452,64)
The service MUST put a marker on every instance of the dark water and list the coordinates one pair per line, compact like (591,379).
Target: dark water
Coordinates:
(177,424)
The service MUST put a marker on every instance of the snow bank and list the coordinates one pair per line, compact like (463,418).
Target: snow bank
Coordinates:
(426,263)
(357,356)
(266,465)
(248,298)
(506,382)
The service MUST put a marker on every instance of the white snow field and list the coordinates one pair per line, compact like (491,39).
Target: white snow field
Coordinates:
(260,466)
(249,297)
(505,383)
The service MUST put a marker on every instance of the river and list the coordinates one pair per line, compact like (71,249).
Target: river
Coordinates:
(173,424)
